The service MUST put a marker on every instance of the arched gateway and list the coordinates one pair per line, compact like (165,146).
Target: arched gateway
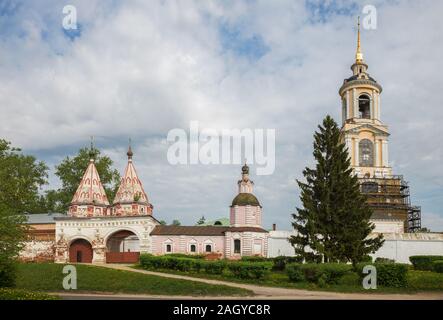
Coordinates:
(123,247)
(80,250)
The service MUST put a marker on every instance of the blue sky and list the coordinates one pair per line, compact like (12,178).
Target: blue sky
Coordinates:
(139,69)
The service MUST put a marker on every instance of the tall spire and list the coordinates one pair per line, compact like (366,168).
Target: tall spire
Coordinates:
(359,53)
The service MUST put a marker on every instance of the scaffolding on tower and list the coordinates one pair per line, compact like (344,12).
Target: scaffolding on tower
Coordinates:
(389,198)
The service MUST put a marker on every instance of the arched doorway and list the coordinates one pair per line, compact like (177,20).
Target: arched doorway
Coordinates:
(80,250)
(123,247)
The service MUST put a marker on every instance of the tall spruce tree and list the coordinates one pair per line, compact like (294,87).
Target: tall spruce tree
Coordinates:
(334,219)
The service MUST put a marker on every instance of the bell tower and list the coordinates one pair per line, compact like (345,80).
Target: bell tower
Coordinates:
(364,133)
(366,138)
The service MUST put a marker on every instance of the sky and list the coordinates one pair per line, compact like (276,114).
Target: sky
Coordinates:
(138,69)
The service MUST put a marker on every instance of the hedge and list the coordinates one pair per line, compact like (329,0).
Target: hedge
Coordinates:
(254,259)
(384,260)
(438,266)
(424,263)
(280,262)
(388,274)
(190,256)
(214,267)
(8,273)
(294,272)
(239,269)
(149,261)
(247,270)
(327,273)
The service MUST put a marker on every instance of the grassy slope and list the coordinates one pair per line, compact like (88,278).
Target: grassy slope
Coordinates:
(49,277)
(418,281)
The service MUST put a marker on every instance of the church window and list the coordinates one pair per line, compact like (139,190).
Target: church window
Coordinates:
(237,246)
(364,106)
(168,248)
(208,248)
(366,148)
(193,248)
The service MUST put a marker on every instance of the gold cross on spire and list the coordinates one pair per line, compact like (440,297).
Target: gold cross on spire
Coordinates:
(359,54)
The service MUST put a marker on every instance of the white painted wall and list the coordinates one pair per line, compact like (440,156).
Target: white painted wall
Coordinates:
(388,226)
(400,246)
(278,244)
(397,246)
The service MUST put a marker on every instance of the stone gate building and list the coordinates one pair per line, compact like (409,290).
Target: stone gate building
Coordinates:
(95,231)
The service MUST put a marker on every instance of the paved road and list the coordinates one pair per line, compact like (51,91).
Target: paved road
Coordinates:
(260,292)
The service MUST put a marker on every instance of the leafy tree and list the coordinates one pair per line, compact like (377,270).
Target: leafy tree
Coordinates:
(334,220)
(163,222)
(175,222)
(21,177)
(71,170)
(201,221)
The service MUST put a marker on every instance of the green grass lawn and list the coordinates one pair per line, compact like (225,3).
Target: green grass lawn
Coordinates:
(418,281)
(49,277)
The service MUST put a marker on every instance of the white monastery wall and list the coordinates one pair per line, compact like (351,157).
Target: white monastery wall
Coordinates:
(397,246)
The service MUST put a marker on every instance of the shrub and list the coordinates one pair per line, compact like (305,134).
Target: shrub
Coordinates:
(248,270)
(438,266)
(198,265)
(388,274)
(327,273)
(424,280)
(350,279)
(254,259)
(366,258)
(190,256)
(424,263)
(295,272)
(280,262)
(313,258)
(214,267)
(184,264)
(149,261)
(7,273)
(384,260)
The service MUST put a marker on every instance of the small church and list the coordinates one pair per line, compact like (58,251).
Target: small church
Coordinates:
(95,231)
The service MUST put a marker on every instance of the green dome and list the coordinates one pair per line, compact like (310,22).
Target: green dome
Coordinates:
(245,199)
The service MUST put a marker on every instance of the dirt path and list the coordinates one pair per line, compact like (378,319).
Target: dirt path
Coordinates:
(262,292)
